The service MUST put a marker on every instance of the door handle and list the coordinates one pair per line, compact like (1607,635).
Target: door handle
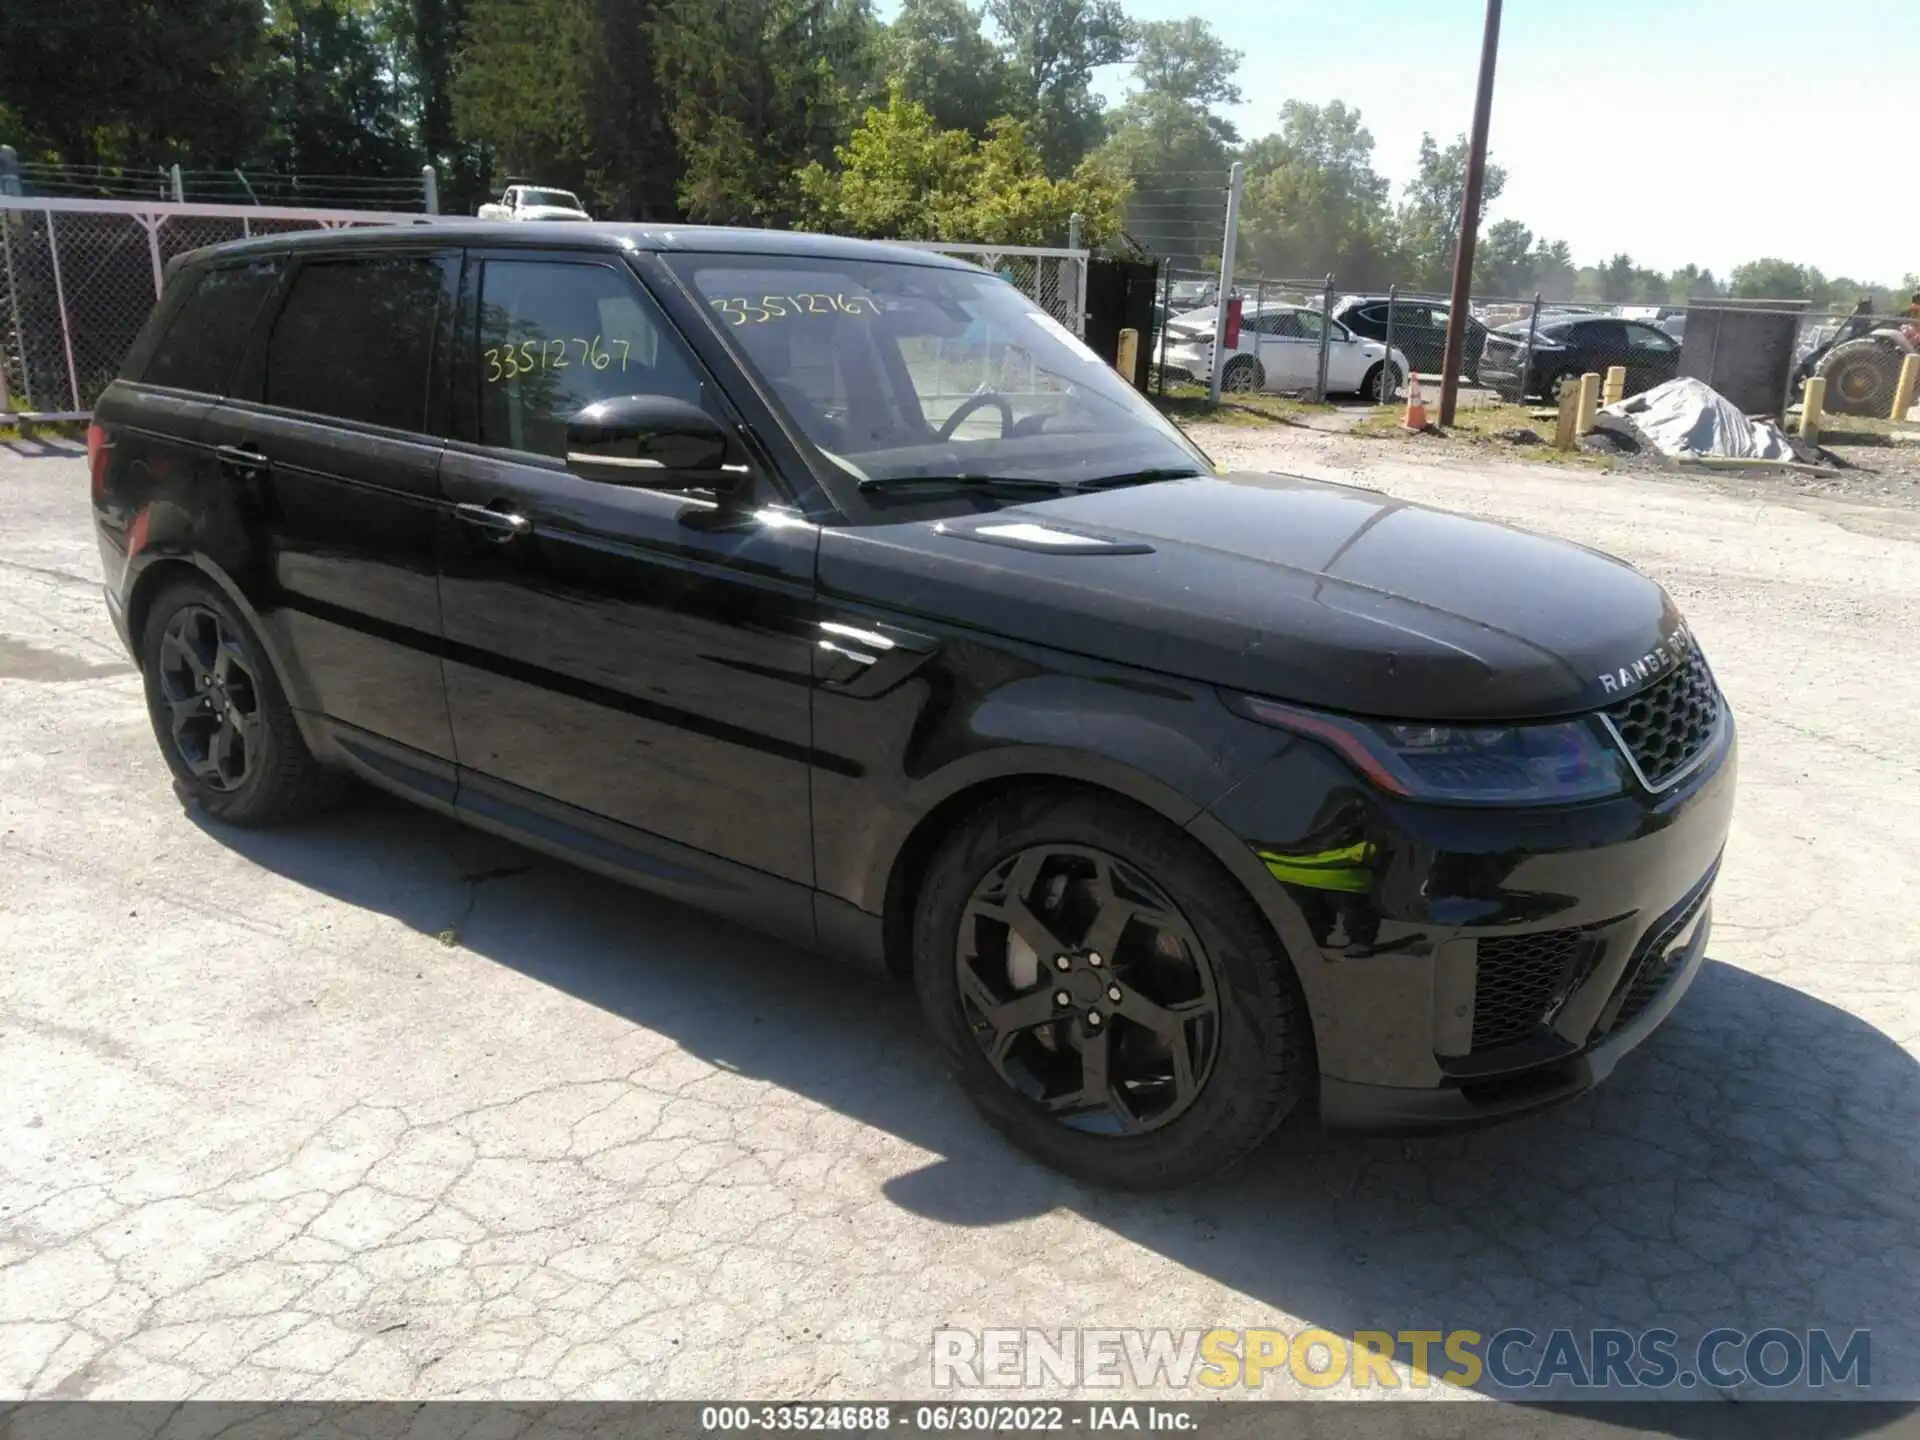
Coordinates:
(245,458)
(501,525)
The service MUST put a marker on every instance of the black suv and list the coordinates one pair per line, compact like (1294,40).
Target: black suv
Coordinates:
(1568,347)
(1419,329)
(838,588)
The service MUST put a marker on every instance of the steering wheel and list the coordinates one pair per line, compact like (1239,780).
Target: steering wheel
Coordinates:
(974,402)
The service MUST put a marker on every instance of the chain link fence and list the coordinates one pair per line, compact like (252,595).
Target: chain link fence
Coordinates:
(78,279)
(1054,276)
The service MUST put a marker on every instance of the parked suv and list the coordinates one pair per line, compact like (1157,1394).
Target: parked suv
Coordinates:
(838,588)
(1419,330)
(1566,348)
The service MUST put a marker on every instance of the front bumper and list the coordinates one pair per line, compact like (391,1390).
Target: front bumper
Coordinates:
(1468,965)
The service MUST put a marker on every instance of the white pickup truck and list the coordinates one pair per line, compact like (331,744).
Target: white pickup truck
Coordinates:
(534,202)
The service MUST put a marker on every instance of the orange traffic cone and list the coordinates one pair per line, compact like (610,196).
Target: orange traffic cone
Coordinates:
(1416,416)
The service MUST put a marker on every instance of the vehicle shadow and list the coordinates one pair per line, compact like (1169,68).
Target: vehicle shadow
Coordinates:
(1757,1163)
(44,447)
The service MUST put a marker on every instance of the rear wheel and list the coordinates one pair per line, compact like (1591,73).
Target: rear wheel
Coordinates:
(1109,998)
(1556,385)
(1242,376)
(223,724)
(1861,376)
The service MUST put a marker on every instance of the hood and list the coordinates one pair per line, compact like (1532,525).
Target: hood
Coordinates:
(1297,589)
(550,212)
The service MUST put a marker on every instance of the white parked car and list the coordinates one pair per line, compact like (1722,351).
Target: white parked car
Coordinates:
(534,202)
(1279,350)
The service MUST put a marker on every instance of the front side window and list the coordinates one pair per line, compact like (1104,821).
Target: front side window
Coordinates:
(1643,337)
(896,370)
(557,336)
(206,336)
(355,339)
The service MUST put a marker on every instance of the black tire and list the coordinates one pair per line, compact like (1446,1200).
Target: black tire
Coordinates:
(1262,1056)
(1243,368)
(1861,376)
(1370,385)
(1550,387)
(277,779)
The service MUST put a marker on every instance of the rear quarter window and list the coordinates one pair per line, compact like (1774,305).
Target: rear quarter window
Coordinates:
(204,331)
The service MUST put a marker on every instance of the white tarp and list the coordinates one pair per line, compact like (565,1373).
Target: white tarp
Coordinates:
(1687,417)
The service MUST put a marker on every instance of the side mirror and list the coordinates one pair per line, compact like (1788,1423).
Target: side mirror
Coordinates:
(654,442)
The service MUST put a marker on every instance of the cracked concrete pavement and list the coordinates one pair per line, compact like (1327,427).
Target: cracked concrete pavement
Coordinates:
(381,1107)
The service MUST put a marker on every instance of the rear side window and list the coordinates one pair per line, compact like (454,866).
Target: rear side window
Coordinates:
(210,327)
(355,339)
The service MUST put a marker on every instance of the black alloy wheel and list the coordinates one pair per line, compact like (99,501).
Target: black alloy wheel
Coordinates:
(1086,990)
(213,700)
(220,715)
(1108,995)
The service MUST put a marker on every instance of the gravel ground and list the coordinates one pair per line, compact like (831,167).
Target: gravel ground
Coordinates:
(384,1108)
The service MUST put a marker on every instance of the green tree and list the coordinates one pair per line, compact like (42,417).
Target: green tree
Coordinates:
(332,93)
(1430,214)
(1169,146)
(939,53)
(425,36)
(1313,200)
(1690,283)
(901,176)
(757,90)
(1616,280)
(523,79)
(1776,279)
(133,82)
(1184,60)
(1553,269)
(1503,261)
(1052,49)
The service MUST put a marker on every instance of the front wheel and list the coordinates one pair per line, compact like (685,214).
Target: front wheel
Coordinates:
(1376,386)
(1110,999)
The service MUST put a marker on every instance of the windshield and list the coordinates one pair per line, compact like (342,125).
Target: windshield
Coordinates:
(897,370)
(549,197)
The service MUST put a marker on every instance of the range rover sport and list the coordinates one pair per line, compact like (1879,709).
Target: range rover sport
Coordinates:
(838,588)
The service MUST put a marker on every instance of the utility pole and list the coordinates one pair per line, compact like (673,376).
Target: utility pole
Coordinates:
(1229,242)
(1469,219)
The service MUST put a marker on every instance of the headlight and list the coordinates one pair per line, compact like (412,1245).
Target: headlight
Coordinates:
(1463,764)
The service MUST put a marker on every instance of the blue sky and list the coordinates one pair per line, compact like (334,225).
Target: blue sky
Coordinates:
(1689,121)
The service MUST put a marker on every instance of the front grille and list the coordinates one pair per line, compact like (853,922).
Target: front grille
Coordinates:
(1656,959)
(1519,976)
(1665,727)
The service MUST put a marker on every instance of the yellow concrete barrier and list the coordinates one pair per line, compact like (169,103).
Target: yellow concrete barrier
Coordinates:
(1903,389)
(1128,355)
(1615,388)
(1589,403)
(1813,407)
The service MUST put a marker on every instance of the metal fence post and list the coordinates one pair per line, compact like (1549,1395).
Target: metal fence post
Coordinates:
(60,299)
(1229,242)
(1166,314)
(152,227)
(430,189)
(179,186)
(1390,391)
(13,296)
(1326,339)
(1526,362)
(1252,322)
